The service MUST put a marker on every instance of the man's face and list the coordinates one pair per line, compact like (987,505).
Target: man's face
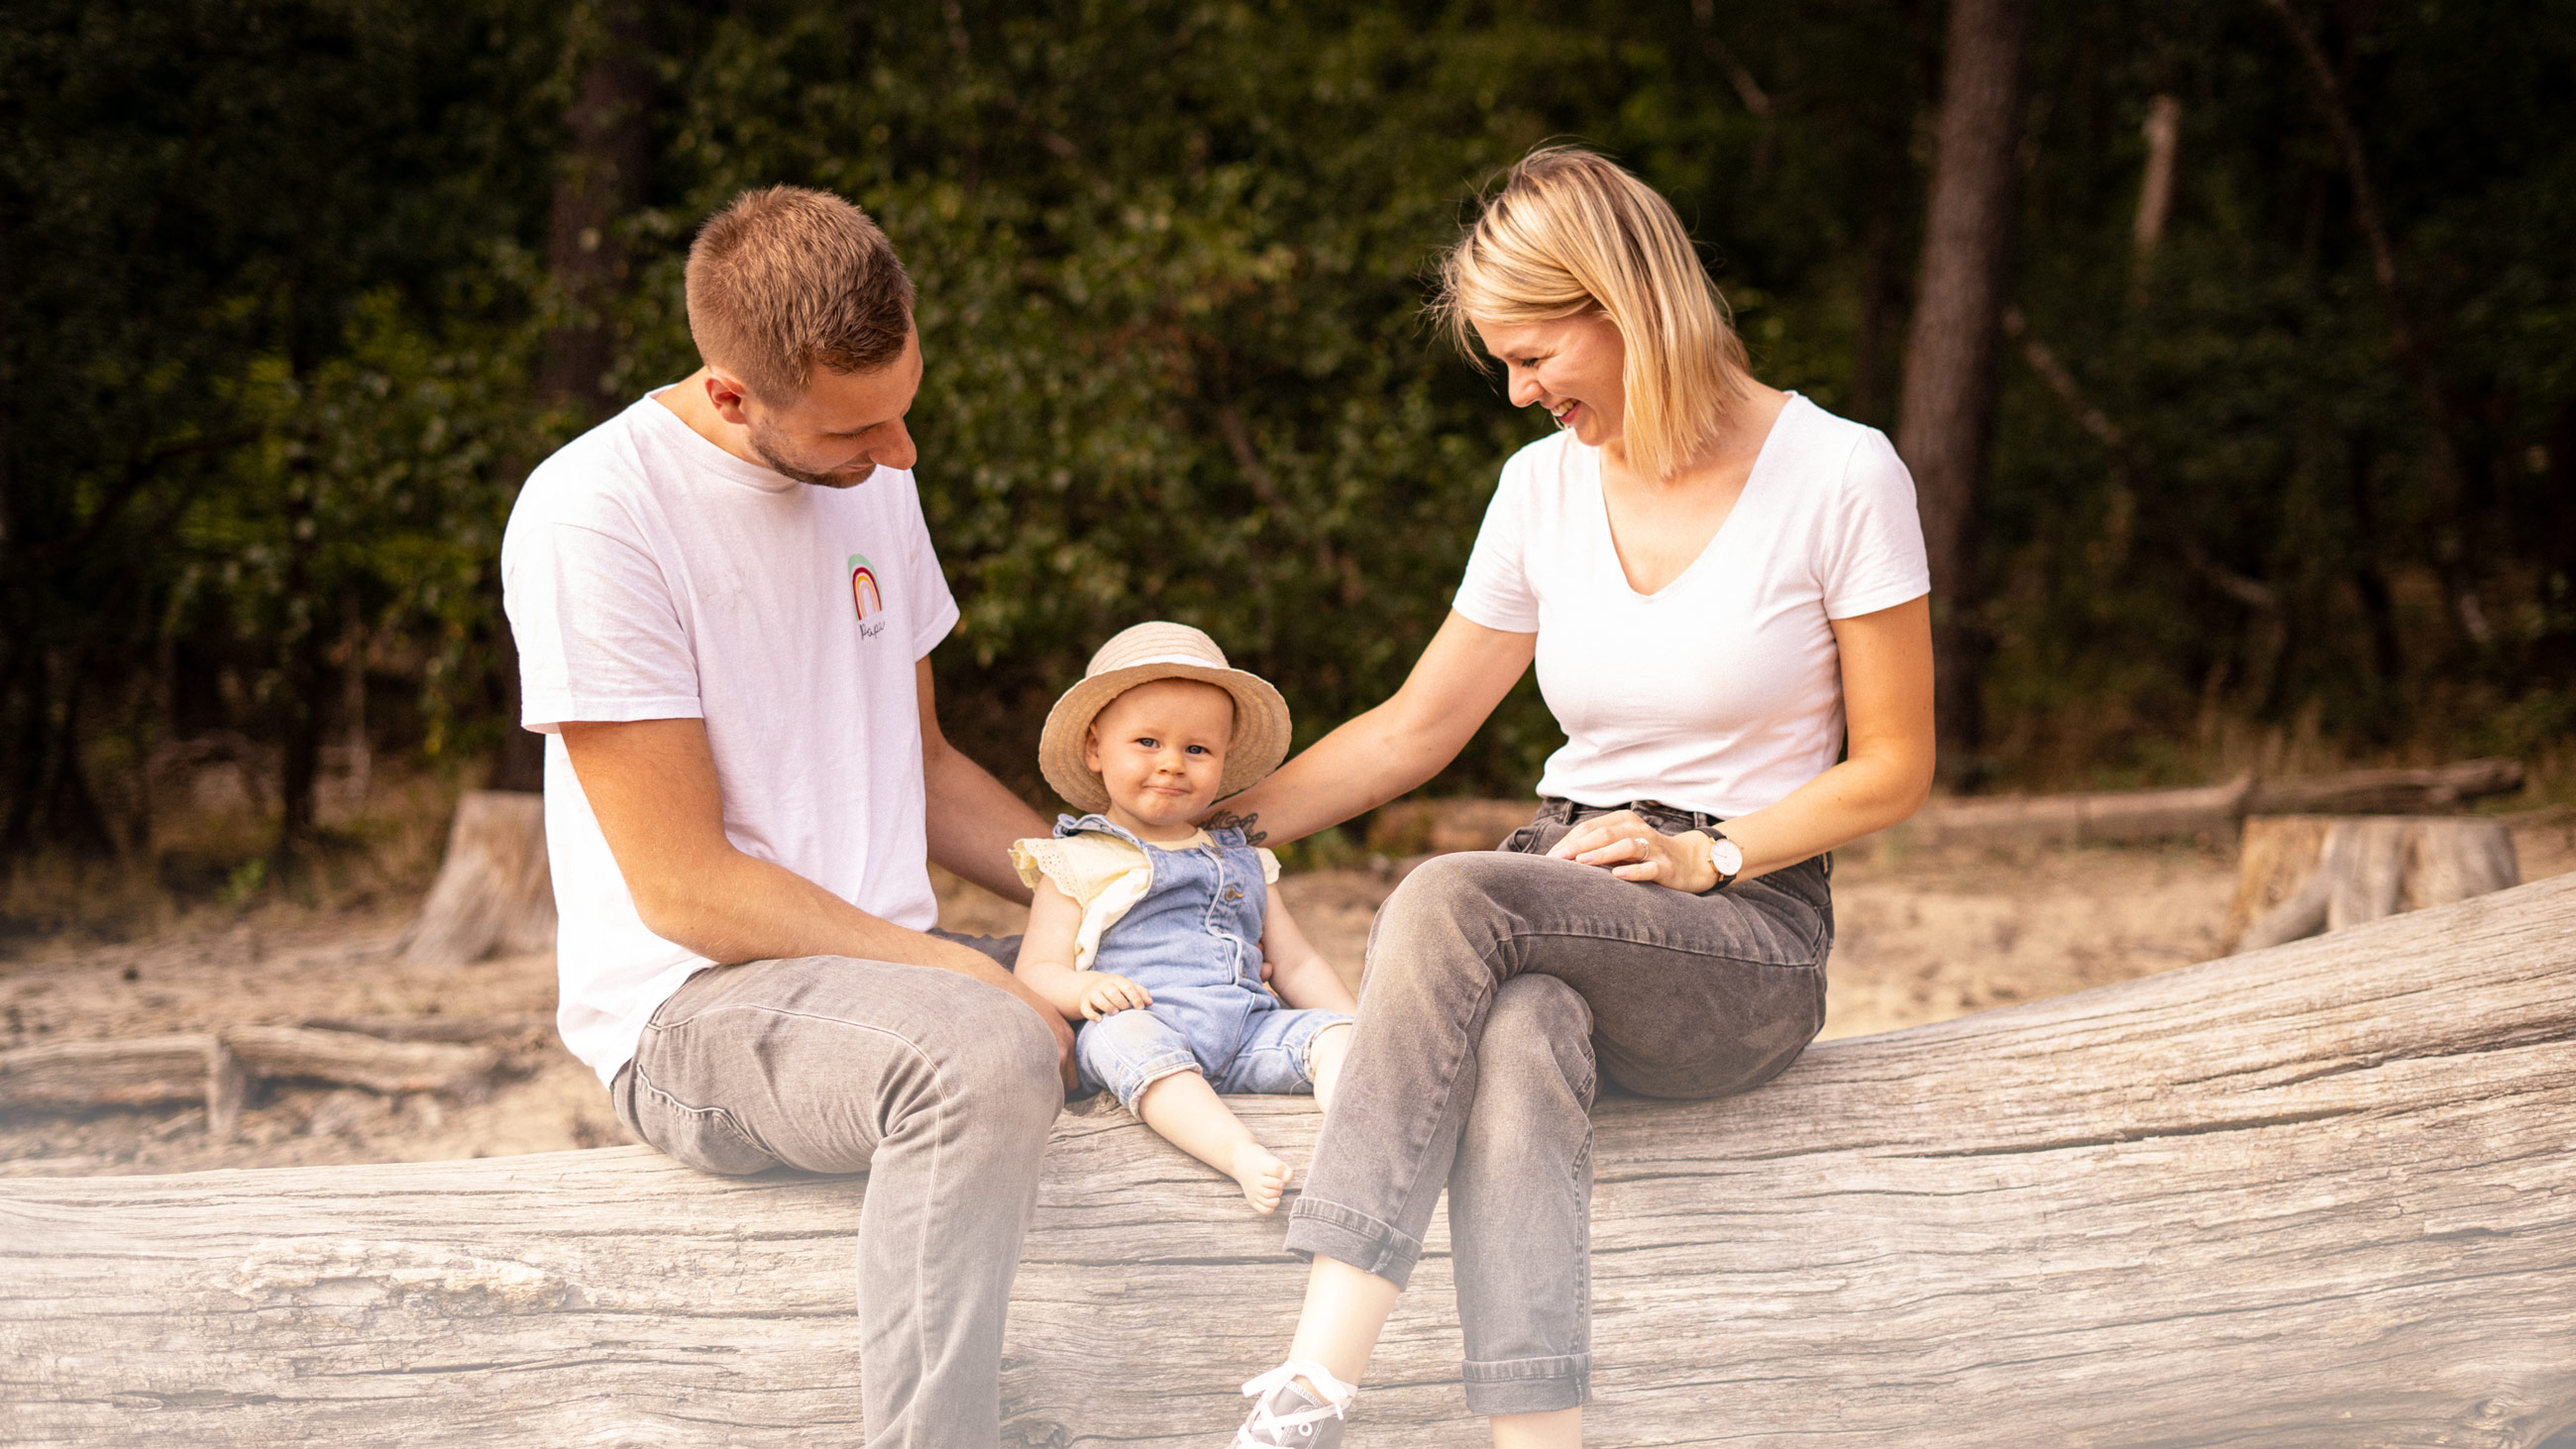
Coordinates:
(846,426)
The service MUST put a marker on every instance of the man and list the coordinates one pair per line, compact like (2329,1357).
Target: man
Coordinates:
(724,600)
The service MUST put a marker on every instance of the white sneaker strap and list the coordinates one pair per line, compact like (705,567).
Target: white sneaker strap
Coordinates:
(1337,1395)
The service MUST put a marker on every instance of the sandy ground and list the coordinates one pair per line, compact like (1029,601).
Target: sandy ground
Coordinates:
(1920,939)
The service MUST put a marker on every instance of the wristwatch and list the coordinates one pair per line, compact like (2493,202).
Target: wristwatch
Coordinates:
(1725,857)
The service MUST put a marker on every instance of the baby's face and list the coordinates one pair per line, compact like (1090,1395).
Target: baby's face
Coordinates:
(1160,750)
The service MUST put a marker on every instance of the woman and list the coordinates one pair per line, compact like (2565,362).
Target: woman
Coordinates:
(1718,582)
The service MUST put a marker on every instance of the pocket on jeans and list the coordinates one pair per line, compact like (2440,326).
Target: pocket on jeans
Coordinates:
(1535,838)
(706,1138)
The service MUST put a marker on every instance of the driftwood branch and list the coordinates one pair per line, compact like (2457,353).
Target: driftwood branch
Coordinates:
(214,1067)
(2315,1195)
(2135,815)
(1415,827)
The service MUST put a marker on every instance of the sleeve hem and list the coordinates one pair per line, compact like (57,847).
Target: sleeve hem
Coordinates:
(543,712)
(1870,601)
(1473,611)
(929,638)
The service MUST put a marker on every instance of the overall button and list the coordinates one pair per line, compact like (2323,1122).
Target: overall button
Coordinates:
(1234,893)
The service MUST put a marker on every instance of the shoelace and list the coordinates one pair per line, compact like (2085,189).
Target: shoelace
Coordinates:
(1337,1397)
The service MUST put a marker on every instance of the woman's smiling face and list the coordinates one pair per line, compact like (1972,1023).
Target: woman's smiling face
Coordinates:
(1571,367)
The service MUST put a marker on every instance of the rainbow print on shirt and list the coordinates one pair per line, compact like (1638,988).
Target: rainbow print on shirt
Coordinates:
(863,587)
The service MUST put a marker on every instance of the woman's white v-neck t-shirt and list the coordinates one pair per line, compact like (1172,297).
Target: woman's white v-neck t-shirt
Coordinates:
(1722,691)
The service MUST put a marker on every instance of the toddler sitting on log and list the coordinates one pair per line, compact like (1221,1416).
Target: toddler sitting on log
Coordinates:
(1151,931)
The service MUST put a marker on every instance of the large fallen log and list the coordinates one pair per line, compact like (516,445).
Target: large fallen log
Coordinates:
(2317,1195)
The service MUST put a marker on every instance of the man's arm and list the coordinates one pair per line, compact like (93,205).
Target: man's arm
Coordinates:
(652,784)
(973,820)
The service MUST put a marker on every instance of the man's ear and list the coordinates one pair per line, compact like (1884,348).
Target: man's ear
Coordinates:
(727,394)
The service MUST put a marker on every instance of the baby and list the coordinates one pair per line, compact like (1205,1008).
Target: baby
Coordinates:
(1151,931)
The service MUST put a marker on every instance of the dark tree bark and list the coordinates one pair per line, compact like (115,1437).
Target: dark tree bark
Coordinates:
(608,144)
(1946,418)
(2408,343)
(300,759)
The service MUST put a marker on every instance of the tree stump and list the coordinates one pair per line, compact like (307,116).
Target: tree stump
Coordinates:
(2298,875)
(494,894)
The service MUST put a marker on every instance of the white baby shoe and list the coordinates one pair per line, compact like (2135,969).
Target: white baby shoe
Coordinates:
(1285,1416)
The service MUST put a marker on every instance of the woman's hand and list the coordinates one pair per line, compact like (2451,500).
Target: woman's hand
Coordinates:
(1107,995)
(1629,848)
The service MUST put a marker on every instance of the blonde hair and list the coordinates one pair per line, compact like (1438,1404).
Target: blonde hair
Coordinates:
(1570,233)
(785,278)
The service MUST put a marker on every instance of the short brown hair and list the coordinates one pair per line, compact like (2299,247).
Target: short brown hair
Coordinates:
(786,278)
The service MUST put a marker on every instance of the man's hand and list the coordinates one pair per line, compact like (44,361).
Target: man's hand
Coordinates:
(1107,995)
(652,784)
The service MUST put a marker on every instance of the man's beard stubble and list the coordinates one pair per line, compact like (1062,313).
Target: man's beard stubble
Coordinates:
(762,435)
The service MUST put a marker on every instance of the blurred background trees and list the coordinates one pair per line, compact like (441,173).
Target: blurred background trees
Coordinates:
(2260,396)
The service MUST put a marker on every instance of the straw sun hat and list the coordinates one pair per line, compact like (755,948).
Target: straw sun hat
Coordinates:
(1140,655)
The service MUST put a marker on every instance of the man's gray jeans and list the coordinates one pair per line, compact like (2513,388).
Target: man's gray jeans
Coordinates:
(1498,983)
(941,1088)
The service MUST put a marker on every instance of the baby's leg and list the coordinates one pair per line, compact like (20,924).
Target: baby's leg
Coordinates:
(1325,1058)
(1186,1110)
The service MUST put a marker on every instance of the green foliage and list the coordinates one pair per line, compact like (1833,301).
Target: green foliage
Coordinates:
(272,292)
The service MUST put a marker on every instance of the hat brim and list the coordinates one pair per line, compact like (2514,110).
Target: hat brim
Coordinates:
(1260,728)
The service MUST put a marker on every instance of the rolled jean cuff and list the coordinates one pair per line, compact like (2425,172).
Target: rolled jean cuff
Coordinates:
(1345,1236)
(1529,1385)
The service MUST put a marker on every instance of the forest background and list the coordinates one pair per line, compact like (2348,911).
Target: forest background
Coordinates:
(2268,459)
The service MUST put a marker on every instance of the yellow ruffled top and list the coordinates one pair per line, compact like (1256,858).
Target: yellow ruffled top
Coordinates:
(1104,875)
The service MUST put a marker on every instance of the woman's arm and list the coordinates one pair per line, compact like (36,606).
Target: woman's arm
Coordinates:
(1300,974)
(1379,755)
(1884,776)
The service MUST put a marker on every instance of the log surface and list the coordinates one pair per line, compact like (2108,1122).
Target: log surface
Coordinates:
(2314,1195)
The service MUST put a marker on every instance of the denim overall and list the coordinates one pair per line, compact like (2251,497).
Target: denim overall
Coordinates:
(1194,943)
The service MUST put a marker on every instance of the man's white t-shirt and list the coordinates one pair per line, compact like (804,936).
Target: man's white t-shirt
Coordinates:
(1723,690)
(649,574)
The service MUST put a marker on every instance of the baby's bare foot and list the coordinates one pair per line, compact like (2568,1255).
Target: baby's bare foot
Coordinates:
(1263,1176)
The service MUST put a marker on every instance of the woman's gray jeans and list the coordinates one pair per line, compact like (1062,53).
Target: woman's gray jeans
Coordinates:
(940,1087)
(1498,983)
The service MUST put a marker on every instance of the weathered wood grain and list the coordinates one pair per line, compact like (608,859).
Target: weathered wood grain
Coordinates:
(2318,1195)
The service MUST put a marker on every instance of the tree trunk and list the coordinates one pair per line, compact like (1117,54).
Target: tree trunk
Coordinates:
(608,144)
(2163,132)
(2305,1197)
(494,893)
(1946,417)
(2301,874)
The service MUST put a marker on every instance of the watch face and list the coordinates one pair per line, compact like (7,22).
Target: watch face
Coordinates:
(1728,855)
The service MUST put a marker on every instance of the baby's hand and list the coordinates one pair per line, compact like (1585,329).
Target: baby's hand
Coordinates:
(1107,995)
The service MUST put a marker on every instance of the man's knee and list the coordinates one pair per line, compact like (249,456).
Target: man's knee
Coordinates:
(1000,1054)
